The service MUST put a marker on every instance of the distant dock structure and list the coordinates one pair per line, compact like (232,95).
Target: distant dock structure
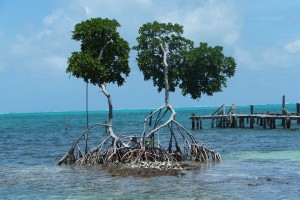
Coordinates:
(222,119)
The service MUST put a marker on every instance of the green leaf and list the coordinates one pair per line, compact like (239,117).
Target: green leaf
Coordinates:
(104,55)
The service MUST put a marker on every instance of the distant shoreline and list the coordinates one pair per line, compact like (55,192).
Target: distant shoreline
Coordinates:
(148,109)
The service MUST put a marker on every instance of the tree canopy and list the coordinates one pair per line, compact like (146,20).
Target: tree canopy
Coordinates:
(196,70)
(104,54)
(150,55)
(205,71)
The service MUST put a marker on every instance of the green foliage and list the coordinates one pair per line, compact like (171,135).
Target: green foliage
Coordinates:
(150,56)
(104,54)
(206,71)
(200,70)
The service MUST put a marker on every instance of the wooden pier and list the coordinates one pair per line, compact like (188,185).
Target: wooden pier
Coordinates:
(221,119)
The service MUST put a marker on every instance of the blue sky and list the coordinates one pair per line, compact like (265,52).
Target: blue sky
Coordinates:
(35,37)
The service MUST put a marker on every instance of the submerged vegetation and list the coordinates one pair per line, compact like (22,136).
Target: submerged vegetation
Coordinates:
(165,57)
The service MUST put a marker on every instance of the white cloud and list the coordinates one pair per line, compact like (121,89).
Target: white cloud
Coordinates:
(269,58)
(292,47)
(55,62)
(275,57)
(213,21)
(245,59)
(46,50)
(54,17)
(87,10)
(121,7)
(21,47)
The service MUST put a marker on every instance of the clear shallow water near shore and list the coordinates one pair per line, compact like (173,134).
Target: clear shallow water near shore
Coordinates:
(257,163)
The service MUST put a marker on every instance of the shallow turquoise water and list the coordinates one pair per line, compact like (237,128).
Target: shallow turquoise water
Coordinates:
(31,145)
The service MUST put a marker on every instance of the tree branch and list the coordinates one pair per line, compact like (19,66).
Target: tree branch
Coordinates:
(102,50)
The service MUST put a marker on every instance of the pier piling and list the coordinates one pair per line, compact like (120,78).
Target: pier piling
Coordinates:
(283,109)
(193,121)
(298,112)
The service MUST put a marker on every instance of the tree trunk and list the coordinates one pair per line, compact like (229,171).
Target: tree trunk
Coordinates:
(110,113)
(166,72)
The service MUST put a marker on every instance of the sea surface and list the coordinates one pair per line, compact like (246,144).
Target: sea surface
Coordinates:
(256,163)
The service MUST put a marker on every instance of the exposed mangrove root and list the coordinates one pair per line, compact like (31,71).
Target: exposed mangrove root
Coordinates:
(182,144)
(174,144)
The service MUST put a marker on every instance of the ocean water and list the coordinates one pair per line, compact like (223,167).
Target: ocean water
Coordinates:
(256,163)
